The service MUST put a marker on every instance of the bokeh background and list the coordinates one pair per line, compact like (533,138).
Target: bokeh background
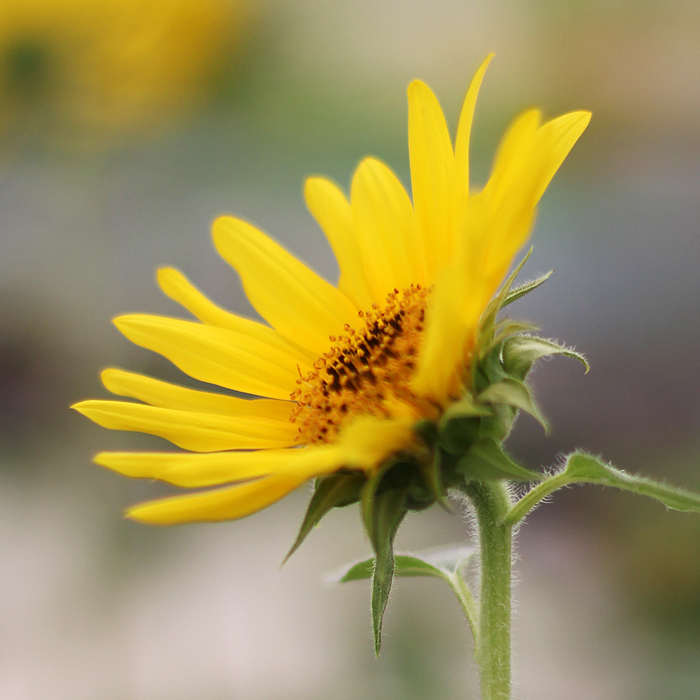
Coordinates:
(127,127)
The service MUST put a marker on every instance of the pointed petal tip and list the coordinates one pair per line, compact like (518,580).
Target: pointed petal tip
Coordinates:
(416,86)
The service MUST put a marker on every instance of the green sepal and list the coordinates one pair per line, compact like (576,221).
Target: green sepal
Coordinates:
(507,328)
(498,426)
(488,319)
(486,460)
(459,425)
(427,431)
(584,468)
(333,491)
(512,392)
(388,509)
(521,352)
(524,289)
(488,370)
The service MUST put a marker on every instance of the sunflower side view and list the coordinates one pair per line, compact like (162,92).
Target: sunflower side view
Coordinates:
(394,389)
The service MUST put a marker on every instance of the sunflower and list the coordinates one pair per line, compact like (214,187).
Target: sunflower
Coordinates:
(91,71)
(387,388)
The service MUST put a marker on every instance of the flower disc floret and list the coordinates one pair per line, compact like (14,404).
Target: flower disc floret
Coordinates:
(366,372)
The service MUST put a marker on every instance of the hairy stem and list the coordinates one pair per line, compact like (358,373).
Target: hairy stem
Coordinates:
(491,502)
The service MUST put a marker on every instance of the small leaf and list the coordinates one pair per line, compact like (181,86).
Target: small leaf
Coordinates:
(524,289)
(487,460)
(512,392)
(450,558)
(466,407)
(356,572)
(507,328)
(438,563)
(489,370)
(488,319)
(583,468)
(498,426)
(459,425)
(330,492)
(388,511)
(444,563)
(521,352)
(459,434)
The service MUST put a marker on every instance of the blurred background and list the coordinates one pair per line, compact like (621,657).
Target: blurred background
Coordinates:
(126,127)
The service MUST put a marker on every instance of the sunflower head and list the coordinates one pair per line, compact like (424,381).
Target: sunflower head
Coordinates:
(390,388)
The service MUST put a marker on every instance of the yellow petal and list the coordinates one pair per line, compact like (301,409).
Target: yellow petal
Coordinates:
(181,290)
(466,119)
(515,155)
(287,294)
(369,441)
(216,355)
(164,395)
(559,136)
(332,211)
(200,432)
(175,285)
(432,171)
(386,229)
(451,324)
(213,469)
(228,503)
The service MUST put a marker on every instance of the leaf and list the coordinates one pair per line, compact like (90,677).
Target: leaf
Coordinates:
(459,425)
(437,563)
(331,492)
(446,563)
(498,426)
(507,328)
(355,572)
(513,392)
(459,434)
(583,468)
(487,460)
(521,352)
(524,289)
(488,319)
(383,512)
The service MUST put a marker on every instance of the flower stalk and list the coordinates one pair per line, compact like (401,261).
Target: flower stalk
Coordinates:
(491,502)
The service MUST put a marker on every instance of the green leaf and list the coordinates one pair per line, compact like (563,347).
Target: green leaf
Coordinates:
(488,319)
(498,426)
(489,370)
(330,492)
(502,330)
(524,289)
(466,407)
(521,352)
(446,563)
(583,468)
(437,563)
(487,460)
(459,434)
(355,572)
(386,511)
(513,392)
(459,425)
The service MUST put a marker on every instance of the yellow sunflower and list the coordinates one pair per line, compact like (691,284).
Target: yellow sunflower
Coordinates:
(92,70)
(352,381)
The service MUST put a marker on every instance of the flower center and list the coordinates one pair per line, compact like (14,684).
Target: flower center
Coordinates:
(365,372)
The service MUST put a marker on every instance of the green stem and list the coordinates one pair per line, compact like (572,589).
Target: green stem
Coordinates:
(491,502)
(466,600)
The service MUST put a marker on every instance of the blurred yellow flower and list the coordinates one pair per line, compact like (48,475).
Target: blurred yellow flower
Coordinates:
(91,70)
(348,371)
